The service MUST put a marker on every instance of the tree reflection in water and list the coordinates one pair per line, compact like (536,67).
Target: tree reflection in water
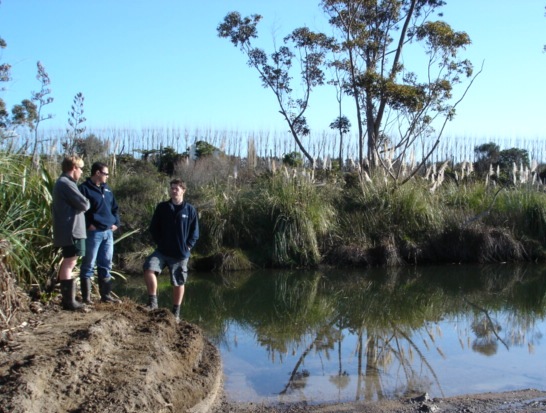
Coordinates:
(307,321)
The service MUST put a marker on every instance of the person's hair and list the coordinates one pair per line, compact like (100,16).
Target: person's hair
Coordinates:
(97,166)
(70,161)
(178,182)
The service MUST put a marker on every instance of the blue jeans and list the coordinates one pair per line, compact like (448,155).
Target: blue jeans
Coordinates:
(99,248)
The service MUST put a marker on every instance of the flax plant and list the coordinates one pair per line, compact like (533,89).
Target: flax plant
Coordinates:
(25,218)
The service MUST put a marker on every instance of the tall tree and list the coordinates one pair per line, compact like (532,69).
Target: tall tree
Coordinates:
(343,126)
(276,71)
(487,155)
(513,157)
(394,108)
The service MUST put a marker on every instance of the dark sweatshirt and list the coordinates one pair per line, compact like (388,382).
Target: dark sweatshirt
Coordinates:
(103,212)
(175,229)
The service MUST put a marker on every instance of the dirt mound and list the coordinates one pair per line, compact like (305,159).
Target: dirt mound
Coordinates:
(114,358)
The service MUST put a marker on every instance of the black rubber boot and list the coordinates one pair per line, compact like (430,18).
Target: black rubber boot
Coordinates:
(86,284)
(105,288)
(68,292)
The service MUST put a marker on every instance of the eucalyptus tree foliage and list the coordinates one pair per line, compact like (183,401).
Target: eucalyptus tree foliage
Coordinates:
(397,105)
(276,71)
(398,64)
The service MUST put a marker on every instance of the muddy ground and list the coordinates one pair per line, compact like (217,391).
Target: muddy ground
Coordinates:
(121,358)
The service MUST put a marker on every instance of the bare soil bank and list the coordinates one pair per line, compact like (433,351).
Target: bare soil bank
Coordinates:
(114,358)
(124,359)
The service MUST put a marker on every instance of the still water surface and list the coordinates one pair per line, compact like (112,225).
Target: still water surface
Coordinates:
(333,336)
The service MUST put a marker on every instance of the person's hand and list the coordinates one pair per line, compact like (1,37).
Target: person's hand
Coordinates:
(91,227)
(114,227)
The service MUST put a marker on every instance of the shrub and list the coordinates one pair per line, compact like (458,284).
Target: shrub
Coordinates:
(138,188)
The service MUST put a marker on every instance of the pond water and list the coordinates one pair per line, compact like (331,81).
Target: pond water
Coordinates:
(334,336)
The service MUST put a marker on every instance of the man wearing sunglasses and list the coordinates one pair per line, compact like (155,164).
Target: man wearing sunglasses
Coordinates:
(101,220)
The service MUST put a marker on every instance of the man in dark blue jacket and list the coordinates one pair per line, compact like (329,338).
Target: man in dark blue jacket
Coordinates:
(175,230)
(101,220)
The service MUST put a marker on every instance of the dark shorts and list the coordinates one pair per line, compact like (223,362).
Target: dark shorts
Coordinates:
(75,250)
(178,267)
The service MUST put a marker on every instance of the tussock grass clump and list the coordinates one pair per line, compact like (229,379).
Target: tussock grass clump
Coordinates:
(131,262)
(351,255)
(286,219)
(456,222)
(374,213)
(221,214)
(296,215)
(521,210)
(280,219)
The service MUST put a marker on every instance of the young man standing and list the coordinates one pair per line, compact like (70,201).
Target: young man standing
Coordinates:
(68,210)
(101,220)
(175,230)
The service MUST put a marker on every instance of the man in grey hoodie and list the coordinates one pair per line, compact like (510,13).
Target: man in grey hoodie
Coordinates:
(69,205)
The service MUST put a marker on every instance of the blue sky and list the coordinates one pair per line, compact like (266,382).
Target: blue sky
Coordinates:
(160,63)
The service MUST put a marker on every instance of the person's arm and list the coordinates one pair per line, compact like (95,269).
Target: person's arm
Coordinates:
(155,228)
(89,213)
(115,213)
(75,198)
(193,234)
